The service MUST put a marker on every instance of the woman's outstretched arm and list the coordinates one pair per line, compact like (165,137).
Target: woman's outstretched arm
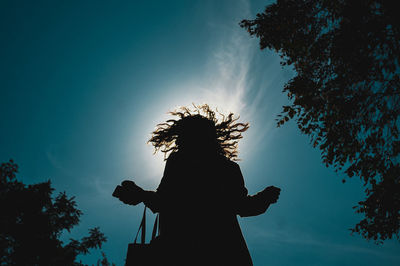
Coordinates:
(247,205)
(130,193)
(152,200)
(258,203)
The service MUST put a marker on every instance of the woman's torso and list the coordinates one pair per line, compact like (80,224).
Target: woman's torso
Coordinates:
(198,216)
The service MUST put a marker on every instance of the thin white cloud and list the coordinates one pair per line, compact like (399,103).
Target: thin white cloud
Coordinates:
(302,238)
(228,69)
(231,84)
(57,164)
(237,85)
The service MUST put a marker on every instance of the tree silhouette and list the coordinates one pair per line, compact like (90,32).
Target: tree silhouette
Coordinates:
(104,261)
(31,223)
(345,94)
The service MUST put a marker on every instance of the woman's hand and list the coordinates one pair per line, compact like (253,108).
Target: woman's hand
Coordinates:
(271,194)
(129,193)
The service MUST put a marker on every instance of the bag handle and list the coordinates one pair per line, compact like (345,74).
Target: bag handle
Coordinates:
(143,227)
(155,226)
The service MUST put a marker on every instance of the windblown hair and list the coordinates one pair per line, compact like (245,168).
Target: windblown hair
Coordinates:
(223,134)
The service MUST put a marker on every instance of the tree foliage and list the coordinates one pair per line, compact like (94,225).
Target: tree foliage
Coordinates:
(345,93)
(32,222)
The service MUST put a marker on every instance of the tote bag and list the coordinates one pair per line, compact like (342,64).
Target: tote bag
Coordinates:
(142,254)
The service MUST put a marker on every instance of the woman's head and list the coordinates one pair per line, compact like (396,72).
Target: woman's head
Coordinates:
(199,131)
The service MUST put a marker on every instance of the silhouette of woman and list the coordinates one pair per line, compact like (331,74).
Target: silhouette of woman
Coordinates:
(202,190)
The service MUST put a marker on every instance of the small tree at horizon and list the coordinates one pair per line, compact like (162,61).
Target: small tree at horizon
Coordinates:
(32,221)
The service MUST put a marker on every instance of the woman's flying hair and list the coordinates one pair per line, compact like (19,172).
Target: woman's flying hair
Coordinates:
(223,133)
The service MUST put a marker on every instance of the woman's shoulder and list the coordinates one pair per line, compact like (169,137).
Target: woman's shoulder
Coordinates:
(173,157)
(176,157)
(228,162)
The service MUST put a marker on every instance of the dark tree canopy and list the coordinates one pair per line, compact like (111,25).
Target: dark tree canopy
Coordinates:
(31,222)
(345,94)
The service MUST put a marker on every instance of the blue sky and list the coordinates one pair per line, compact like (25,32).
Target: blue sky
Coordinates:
(83,84)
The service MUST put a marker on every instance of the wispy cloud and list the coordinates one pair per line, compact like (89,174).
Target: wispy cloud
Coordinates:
(100,185)
(237,84)
(233,82)
(303,239)
(228,68)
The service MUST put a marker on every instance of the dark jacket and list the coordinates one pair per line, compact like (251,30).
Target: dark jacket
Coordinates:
(198,200)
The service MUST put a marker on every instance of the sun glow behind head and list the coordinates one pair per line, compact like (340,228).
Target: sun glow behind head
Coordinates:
(154,163)
(224,88)
(221,98)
